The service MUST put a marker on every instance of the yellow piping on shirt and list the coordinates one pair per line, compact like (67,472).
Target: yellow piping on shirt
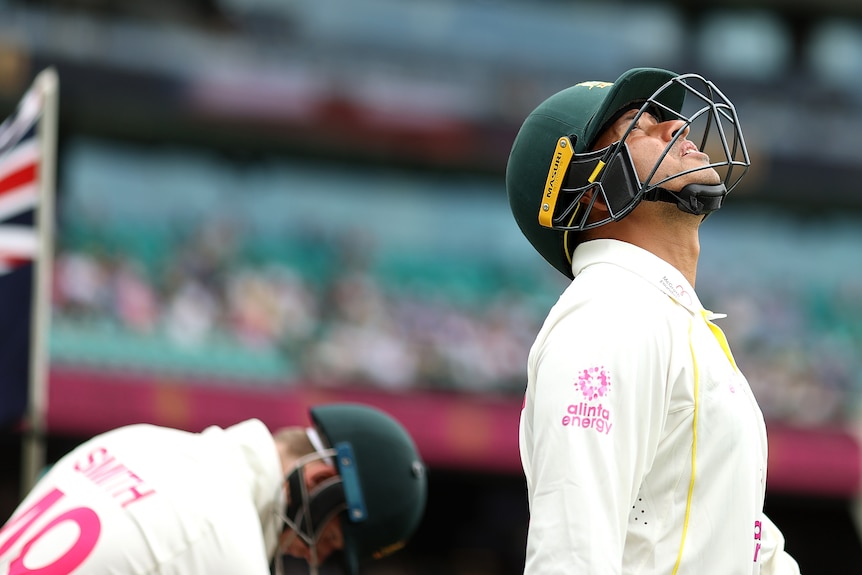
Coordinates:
(722,340)
(693,450)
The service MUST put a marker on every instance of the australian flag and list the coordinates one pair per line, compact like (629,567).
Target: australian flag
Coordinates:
(19,238)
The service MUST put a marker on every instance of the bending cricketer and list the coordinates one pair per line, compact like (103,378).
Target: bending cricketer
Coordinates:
(145,500)
(643,446)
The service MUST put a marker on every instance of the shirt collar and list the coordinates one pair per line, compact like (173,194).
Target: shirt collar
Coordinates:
(647,265)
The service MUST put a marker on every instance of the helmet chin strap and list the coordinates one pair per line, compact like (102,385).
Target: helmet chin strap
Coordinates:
(697,199)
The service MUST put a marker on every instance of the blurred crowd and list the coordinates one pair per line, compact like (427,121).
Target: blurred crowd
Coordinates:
(798,342)
(348,323)
(345,326)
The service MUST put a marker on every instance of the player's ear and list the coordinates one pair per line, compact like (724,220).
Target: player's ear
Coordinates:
(599,205)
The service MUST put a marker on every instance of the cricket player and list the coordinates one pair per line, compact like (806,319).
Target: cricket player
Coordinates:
(152,500)
(643,446)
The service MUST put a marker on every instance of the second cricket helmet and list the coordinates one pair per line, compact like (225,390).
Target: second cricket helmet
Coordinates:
(552,164)
(380,490)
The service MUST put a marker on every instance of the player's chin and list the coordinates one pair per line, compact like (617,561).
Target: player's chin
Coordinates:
(703,172)
(710,177)
(703,176)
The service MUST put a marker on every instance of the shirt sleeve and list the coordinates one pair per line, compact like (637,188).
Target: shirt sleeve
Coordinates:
(595,410)
(774,560)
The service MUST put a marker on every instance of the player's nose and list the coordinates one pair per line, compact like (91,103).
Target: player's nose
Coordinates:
(671,128)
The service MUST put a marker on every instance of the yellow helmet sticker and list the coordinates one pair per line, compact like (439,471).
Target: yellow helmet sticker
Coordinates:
(556,174)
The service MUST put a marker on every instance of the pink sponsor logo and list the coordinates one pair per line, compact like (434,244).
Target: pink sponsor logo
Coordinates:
(677,291)
(758,535)
(684,296)
(594,383)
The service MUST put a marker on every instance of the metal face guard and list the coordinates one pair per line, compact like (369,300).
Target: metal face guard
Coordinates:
(709,121)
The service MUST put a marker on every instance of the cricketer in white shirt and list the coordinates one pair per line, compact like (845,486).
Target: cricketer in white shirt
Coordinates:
(144,499)
(643,446)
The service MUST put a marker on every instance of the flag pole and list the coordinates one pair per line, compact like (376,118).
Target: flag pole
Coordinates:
(33,448)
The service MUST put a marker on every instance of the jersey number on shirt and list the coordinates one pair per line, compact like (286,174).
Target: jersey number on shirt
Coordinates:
(21,526)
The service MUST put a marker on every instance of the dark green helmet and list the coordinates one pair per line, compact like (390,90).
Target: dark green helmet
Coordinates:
(552,163)
(383,478)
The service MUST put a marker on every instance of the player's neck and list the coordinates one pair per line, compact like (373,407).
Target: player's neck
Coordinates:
(674,239)
(683,255)
(285,457)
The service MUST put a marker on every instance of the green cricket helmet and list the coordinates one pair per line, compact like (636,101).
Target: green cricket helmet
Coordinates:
(380,490)
(552,164)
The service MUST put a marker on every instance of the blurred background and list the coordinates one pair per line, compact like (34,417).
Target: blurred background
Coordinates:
(264,204)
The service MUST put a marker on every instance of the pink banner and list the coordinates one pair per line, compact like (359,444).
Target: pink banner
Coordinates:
(451,430)
(454,431)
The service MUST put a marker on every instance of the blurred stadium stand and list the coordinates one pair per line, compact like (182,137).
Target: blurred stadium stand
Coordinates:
(265,204)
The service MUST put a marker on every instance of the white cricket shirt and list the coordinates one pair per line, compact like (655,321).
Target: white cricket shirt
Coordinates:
(144,499)
(643,447)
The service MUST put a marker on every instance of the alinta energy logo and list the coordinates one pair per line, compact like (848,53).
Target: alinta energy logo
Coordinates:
(594,383)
